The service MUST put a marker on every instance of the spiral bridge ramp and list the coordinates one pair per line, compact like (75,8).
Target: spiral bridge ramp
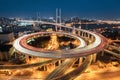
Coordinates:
(91,44)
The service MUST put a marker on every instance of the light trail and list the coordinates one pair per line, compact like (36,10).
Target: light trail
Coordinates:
(98,44)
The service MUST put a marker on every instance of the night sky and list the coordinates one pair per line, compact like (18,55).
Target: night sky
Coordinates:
(99,9)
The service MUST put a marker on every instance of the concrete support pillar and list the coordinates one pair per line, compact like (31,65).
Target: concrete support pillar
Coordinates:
(78,33)
(59,62)
(92,38)
(54,65)
(102,54)
(80,61)
(73,30)
(45,68)
(56,28)
(94,57)
(27,58)
(60,28)
(83,34)
(88,35)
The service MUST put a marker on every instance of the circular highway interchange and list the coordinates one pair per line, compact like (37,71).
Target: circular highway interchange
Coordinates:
(90,43)
(99,43)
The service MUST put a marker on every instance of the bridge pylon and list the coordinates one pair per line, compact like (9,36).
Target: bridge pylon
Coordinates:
(58,18)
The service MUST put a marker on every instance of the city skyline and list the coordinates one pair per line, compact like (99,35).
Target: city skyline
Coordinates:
(98,9)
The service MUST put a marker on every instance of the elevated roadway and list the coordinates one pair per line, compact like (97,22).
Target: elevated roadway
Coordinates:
(85,50)
(76,72)
(99,43)
(60,70)
(23,66)
(114,47)
(112,53)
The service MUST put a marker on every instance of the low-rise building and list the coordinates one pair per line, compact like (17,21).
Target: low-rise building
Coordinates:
(6,36)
